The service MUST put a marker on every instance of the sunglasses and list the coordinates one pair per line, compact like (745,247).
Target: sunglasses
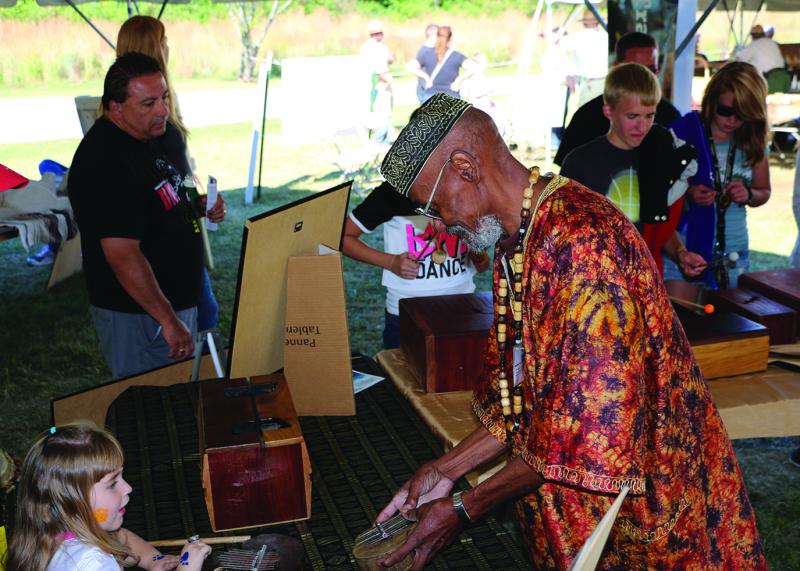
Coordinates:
(726,111)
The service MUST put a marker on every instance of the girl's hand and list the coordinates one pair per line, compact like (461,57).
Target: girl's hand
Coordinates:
(192,556)
(737,192)
(161,563)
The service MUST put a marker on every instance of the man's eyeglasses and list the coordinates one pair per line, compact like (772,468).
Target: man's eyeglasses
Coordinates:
(727,111)
(427,210)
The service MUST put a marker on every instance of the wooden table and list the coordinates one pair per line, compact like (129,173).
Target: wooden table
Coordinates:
(764,404)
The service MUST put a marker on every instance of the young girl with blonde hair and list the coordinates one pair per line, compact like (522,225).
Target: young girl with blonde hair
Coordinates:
(734,113)
(70,507)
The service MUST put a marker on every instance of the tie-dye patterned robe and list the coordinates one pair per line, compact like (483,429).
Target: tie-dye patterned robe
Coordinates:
(613,396)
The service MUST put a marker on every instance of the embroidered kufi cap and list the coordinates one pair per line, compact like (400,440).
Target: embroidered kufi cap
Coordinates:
(427,128)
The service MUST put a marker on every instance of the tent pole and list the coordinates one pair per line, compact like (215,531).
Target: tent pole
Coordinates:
(163,5)
(88,21)
(690,34)
(597,15)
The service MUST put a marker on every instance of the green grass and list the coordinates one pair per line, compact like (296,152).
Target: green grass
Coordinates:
(48,345)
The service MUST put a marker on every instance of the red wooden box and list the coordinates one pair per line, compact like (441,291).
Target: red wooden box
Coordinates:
(444,339)
(781,285)
(779,319)
(256,469)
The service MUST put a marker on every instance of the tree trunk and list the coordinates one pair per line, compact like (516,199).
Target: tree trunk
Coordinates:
(244,15)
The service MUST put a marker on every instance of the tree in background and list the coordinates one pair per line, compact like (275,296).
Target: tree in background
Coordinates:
(244,14)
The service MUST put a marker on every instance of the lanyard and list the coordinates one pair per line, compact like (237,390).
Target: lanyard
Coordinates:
(722,203)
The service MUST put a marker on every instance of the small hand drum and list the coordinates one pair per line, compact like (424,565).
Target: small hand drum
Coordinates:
(381,540)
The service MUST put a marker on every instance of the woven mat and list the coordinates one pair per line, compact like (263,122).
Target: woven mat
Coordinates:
(357,463)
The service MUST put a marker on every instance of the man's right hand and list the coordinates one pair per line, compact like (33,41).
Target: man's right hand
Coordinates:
(404,265)
(702,195)
(178,337)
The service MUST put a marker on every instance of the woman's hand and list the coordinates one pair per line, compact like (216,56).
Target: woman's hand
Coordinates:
(737,192)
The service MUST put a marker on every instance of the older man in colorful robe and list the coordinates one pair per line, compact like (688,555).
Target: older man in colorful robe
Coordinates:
(589,383)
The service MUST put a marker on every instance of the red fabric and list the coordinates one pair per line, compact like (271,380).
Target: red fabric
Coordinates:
(656,235)
(10,179)
(613,396)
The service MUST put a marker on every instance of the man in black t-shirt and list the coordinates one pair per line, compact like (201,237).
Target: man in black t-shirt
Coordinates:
(589,122)
(142,250)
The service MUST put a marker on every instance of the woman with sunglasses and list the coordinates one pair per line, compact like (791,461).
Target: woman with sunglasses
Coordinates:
(734,112)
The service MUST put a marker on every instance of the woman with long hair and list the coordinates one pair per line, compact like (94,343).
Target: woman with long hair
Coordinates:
(734,114)
(71,505)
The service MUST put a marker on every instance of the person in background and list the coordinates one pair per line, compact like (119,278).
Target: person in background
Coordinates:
(588,51)
(589,122)
(378,58)
(762,52)
(418,260)
(440,69)
(424,54)
(147,35)
(641,167)
(734,113)
(71,506)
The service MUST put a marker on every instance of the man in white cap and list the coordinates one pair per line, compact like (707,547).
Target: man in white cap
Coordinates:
(589,384)
(762,52)
(378,57)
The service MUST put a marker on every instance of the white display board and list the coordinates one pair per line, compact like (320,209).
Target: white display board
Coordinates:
(323,96)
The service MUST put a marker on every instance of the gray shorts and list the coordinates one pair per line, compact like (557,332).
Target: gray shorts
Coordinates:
(132,342)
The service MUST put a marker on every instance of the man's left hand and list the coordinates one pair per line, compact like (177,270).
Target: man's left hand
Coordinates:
(437,526)
(217,212)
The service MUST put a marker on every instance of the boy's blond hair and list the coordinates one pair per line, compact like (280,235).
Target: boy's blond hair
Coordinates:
(631,80)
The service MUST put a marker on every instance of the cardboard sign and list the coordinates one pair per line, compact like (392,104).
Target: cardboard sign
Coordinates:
(317,345)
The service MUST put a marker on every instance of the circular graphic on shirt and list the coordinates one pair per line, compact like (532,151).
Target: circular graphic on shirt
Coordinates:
(624,193)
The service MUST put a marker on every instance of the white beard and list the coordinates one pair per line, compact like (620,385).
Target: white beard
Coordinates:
(485,236)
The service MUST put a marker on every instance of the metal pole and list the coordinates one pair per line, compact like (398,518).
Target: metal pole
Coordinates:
(263,124)
(690,34)
(597,15)
(163,5)
(88,21)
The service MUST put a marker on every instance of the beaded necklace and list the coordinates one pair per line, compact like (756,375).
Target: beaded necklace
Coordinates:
(511,397)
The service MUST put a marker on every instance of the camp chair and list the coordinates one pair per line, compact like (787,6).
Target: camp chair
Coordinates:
(88,108)
(779,80)
(358,158)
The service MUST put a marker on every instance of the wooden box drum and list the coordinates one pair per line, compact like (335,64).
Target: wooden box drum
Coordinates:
(256,469)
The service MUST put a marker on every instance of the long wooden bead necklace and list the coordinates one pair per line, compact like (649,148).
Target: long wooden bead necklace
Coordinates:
(511,397)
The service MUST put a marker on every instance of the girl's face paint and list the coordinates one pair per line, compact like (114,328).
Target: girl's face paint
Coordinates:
(108,499)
